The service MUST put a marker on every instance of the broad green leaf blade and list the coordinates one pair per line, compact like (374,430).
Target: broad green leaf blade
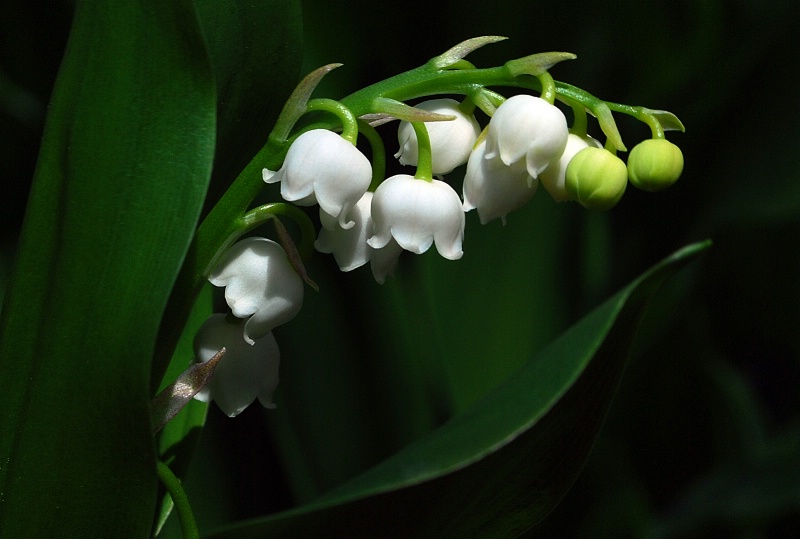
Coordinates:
(124,166)
(502,465)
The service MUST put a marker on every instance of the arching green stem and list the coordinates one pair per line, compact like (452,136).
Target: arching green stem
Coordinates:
(467,106)
(548,87)
(655,126)
(424,160)
(349,126)
(579,121)
(182,507)
(427,81)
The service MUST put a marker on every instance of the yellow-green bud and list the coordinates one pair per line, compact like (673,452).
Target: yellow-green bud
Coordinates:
(596,178)
(655,164)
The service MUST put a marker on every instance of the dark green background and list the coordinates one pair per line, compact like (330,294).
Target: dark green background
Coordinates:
(711,392)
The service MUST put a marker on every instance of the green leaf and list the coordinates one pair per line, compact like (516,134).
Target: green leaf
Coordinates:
(123,169)
(501,465)
(255,50)
(401,358)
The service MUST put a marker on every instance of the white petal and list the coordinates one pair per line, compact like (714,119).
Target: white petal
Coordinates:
(323,168)
(259,282)
(244,372)
(348,246)
(269,176)
(529,127)
(417,213)
(495,188)
(451,141)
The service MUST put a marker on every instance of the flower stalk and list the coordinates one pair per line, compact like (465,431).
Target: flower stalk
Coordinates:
(180,499)
(424,161)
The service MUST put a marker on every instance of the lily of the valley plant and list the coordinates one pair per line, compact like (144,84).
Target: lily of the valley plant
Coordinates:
(365,217)
(502,129)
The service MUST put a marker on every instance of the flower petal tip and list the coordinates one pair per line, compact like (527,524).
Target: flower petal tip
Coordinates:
(269,175)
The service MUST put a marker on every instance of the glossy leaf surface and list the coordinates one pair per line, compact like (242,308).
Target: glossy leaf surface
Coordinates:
(123,169)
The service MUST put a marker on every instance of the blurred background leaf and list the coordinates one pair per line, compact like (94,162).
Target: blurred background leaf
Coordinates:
(256,51)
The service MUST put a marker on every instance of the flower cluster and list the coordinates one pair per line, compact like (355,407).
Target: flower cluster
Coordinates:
(263,291)
(527,141)
(365,217)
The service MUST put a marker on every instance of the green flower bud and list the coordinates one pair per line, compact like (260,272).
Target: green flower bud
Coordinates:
(596,178)
(655,164)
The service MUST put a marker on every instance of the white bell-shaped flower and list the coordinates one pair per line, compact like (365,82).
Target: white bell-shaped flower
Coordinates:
(417,213)
(260,283)
(349,246)
(495,188)
(323,168)
(245,373)
(451,141)
(553,177)
(527,127)
(384,260)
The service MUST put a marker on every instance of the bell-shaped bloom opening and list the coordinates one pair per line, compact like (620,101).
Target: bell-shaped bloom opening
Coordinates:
(451,141)
(260,283)
(384,260)
(495,188)
(417,213)
(527,127)
(323,168)
(349,246)
(246,372)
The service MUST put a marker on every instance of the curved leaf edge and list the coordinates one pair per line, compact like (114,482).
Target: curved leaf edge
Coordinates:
(404,471)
